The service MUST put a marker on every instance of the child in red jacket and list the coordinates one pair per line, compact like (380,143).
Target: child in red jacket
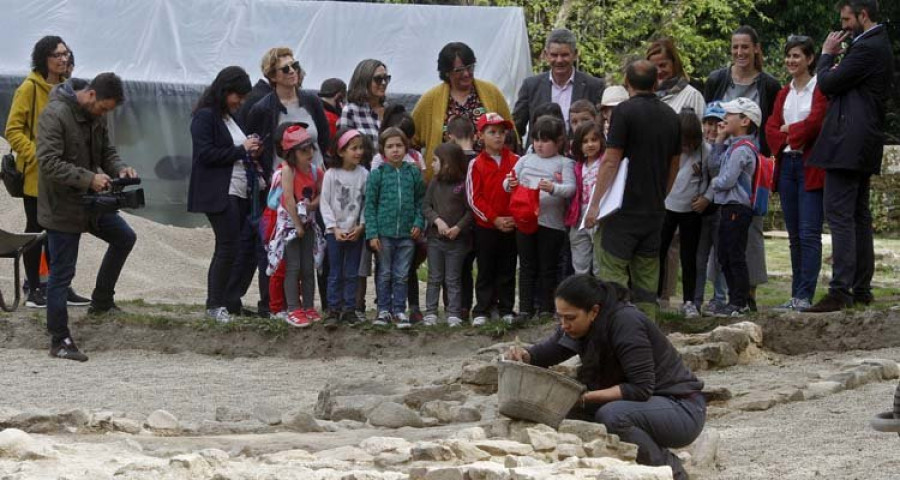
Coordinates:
(495,230)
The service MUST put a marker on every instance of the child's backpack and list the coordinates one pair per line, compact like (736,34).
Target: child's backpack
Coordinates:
(763,180)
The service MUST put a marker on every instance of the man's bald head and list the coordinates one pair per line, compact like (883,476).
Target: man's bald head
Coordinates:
(640,75)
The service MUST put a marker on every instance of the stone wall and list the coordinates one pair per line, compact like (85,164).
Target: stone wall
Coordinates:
(884,201)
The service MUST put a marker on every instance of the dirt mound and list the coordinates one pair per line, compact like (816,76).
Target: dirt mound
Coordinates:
(797,334)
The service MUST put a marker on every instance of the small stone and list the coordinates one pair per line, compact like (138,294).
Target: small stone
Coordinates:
(465,451)
(545,472)
(705,449)
(444,473)
(866,374)
(267,414)
(486,471)
(567,450)
(15,443)
(470,433)
(350,424)
(36,421)
(228,414)
(76,417)
(394,415)
(479,374)
(542,440)
(499,427)
(889,368)
(214,456)
(586,431)
(126,425)
(465,415)
(848,380)
(503,447)
(162,420)
(737,338)
(376,445)
(753,330)
(627,451)
(393,458)
(346,454)
(196,465)
(598,448)
(288,456)
(439,409)
(821,389)
(420,396)
(756,402)
(512,461)
(431,452)
(790,394)
(300,421)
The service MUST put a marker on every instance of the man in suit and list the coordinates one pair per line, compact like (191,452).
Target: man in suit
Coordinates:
(850,146)
(562,85)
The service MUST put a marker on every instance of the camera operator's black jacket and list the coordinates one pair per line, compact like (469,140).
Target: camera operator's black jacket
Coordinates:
(72,145)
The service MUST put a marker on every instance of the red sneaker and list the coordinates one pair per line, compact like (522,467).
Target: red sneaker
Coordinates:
(298,318)
(312,315)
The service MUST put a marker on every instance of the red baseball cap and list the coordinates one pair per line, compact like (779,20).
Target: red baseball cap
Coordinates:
(492,118)
(295,136)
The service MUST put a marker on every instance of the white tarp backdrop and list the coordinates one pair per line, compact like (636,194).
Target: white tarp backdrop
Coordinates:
(167,50)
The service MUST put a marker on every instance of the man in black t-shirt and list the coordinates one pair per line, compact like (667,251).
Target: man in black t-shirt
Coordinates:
(646,131)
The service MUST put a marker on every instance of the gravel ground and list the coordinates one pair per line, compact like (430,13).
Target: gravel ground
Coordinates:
(824,438)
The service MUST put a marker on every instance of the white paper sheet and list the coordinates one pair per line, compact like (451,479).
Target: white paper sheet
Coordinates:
(612,199)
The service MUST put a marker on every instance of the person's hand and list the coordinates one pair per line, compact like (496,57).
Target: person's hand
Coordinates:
(545,185)
(251,145)
(127,172)
(415,232)
(721,134)
(353,234)
(300,231)
(505,224)
(442,227)
(590,218)
(518,354)
(784,128)
(452,233)
(100,182)
(339,234)
(696,168)
(511,180)
(375,244)
(833,42)
(699,204)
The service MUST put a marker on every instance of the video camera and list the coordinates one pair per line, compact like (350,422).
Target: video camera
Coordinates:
(116,198)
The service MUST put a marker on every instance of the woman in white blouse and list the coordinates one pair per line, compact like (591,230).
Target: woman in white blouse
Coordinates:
(791,131)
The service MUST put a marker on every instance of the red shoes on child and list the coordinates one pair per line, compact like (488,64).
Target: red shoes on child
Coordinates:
(302,318)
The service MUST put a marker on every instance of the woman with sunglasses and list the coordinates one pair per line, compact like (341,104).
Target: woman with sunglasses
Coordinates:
(49,67)
(460,95)
(791,132)
(364,110)
(637,384)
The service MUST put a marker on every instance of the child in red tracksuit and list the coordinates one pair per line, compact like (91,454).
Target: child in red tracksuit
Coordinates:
(495,230)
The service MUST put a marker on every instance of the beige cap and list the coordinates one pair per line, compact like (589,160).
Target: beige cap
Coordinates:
(613,96)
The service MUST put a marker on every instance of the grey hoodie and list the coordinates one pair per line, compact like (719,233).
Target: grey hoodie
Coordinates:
(736,165)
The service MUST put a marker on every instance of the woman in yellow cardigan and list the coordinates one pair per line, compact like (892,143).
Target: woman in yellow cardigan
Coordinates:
(461,94)
(49,67)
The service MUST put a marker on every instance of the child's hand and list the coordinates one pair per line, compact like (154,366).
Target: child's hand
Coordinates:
(452,233)
(721,134)
(545,185)
(339,234)
(590,218)
(354,233)
(441,226)
(699,204)
(415,232)
(511,180)
(300,231)
(505,224)
(375,244)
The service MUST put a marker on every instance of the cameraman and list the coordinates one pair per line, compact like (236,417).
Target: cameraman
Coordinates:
(76,157)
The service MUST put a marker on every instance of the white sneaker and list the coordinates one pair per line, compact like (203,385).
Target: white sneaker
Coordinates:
(219,314)
(278,316)
(402,321)
(454,322)
(508,318)
(479,321)
(383,318)
(430,320)
(689,310)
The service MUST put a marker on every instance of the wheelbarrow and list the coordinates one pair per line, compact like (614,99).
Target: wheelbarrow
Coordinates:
(889,421)
(12,245)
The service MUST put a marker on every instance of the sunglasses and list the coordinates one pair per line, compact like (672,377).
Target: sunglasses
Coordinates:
(382,79)
(291,66)
(465,68)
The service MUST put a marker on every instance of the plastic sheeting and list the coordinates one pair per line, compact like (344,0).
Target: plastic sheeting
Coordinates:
(167,50)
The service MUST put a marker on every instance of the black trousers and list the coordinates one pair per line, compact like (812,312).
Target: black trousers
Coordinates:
(689,225)
(32,257)
(225,278)
(539,268)
(850,220)
(734,227)
(495,252)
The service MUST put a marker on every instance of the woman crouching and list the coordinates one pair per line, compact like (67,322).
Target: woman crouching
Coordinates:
(637,384)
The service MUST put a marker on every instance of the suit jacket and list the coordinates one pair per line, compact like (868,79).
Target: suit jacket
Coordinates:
(213,157)
(857,88)
(536,91)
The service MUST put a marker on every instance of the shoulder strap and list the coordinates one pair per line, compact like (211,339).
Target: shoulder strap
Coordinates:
(33,124)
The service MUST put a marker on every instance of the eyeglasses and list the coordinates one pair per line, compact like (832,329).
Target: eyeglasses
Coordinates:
(465,68)
(291,66)
(382,79)
(58,55)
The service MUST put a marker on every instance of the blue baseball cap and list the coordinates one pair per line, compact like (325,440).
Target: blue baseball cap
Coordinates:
(714,110)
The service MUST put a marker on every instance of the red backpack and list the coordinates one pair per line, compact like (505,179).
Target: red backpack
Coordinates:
(763,180)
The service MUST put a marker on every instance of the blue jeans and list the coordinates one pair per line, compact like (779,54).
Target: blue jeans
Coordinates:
(110,228)
(393,271)
(804,214)
(343,261)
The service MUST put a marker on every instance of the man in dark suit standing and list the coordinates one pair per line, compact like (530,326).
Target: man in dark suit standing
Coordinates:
(562,85)
(850,146)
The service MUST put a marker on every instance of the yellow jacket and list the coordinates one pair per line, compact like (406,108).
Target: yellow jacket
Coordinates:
(21,126)
(432,108)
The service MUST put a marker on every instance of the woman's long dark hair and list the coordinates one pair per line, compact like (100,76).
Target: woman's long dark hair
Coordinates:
(230,80)
(44,47)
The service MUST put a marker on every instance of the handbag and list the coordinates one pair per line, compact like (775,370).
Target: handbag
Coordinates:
(525,205)
(13,179)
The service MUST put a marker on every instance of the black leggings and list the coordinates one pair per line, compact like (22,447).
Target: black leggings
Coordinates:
(688,225)
(32,257)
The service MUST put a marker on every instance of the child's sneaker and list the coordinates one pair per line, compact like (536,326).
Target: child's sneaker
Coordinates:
(712,307)
(383,318)
(403,322)
(312,315)
(357,316)
(415,316)
(430,320)
(297,318)
(219,314)
(689,310)
(454,322)
(479,321)
(332,319)
(732,311)
(278,316)
(68,351)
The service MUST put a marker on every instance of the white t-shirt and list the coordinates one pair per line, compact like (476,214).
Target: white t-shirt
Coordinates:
(238,186)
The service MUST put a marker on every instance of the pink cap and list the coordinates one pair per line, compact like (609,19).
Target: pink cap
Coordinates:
(295,136)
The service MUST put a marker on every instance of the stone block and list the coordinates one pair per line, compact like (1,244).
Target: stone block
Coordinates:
(431,452)
(394,415)
(705,449)
(568,450)
(288,456)
(420,396)
(479,374)
(376,445)
(753,330)
(75,417)
(466,451)
(737,338)
(162,420)
(586,431)
(470,433)
(230,414)
(18,445)
(503,447)
(345,454)
(35,421)
(756,402)
(542,440)
(464,414)
(300,421)
(440,409)
(267,414)
(513,461)
(393,458)
(486,471)
(126,425)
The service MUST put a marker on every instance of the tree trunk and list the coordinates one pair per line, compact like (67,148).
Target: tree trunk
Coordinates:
(565,11)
